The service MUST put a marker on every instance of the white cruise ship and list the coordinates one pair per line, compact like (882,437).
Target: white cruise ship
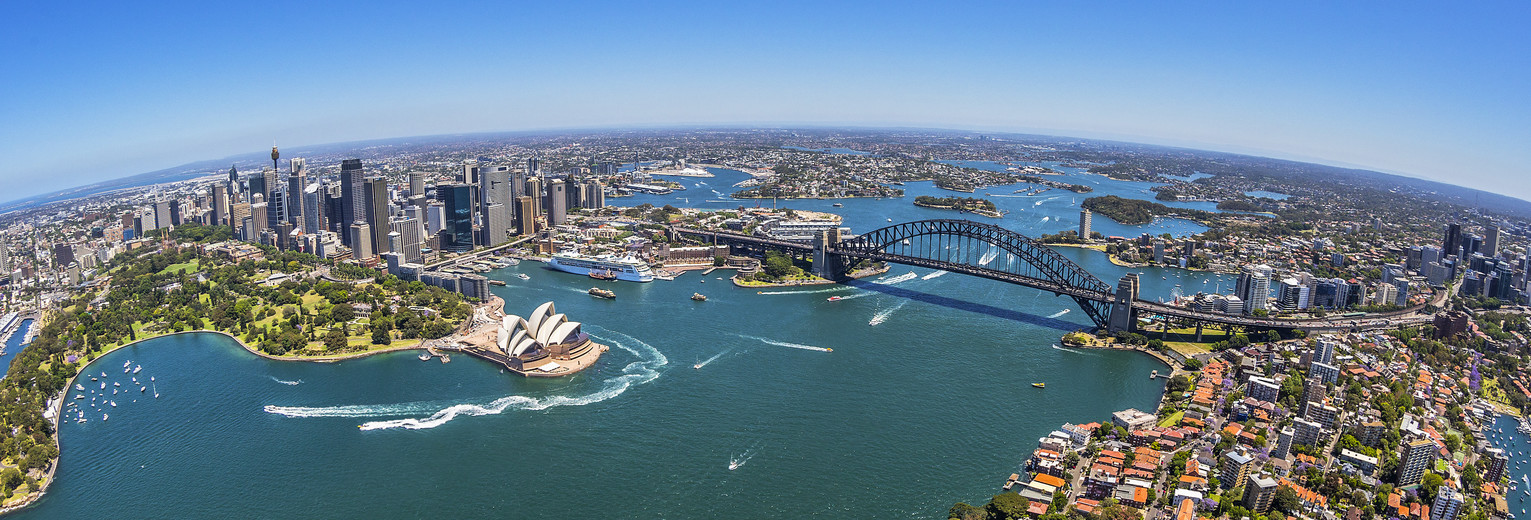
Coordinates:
(627,269)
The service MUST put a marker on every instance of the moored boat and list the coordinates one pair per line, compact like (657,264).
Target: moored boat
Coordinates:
(698,297)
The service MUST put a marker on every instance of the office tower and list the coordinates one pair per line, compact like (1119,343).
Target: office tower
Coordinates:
(1084,224)
(314,211)
(494,205)
(162,213)
(352,196)
(377,214)
(5,261)
(1257,497)
(457,227)
(1472,244)
(533,168)
(469,173)
(220,206)
(296,183)
(411,238)
(276,206)
(63,254)
(361,236)
(435,218)
(1453,241)
(1428,254)
(233,177)
(595,195)
(175,212)
(534,190)
(260,218)
(1402,285)
(1490,241)
(1386,294)
(416,184)
(558,201)
(526,215)
(1448,503)
(1415,456)
(258,184)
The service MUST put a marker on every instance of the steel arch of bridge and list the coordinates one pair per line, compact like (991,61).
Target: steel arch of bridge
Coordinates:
(1057,273)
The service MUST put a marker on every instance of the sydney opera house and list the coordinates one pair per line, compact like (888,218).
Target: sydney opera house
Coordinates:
(546,344)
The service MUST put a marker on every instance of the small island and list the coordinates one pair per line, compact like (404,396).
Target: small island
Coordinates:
(961,204)
(1076,188)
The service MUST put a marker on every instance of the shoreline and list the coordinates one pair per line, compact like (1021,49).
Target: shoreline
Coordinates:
(42,490)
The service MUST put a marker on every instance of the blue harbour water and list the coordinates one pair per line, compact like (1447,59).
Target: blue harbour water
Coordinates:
(925,400)
(1517,447)
(13,345)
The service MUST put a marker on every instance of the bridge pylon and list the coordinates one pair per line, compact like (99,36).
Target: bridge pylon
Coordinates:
(1122,315)
(826,264)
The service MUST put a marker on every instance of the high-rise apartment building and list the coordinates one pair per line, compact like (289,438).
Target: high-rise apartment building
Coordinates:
(1414,457)
(558,201)
(1084,224)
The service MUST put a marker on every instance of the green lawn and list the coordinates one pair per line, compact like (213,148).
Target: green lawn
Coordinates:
(188,267)
(1172,420)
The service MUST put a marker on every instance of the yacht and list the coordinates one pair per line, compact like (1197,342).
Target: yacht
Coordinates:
(626,269)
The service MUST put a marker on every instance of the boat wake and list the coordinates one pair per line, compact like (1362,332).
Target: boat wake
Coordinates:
(933,275)
(644,370)
(1045,219)
(988,256)
(785,343)
(288,383)
(739,460)
(816,291)
(882,315)
(711,359)
(898,279)
(1059,313)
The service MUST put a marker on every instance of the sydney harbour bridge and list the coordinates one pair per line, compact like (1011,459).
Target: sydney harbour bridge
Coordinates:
(989,251)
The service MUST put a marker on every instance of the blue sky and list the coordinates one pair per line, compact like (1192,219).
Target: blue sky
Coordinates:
(99,91)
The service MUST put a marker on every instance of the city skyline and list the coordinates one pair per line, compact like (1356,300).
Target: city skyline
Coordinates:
(1412,91)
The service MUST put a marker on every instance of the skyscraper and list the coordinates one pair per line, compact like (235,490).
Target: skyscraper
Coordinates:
(416,184)
(1084,224)
(296,183)
(1453,241)
(595,195)
(1490,241)
(526,215)
(313,204)
(220,206)
(361,235)
(352,195)
(1416,455)
(533,167)
(457,226)
(494,205)
(534,190)
(377,212)
(558,201)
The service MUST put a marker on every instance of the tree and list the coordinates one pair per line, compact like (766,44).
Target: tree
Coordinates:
(1008,506)
(380,332)
(1286,500)
(334,340)
(342,313)
(1429,485)
(964,511)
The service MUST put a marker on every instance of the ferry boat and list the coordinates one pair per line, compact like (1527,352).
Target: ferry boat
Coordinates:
(698,297)
(602,293)
(625,269)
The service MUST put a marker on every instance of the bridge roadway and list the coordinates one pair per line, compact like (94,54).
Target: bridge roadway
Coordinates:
(1411,316)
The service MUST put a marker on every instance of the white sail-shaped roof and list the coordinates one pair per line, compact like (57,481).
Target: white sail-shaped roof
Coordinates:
(542,313)
(502,338)
(523,347)
(545,330)
(563,332)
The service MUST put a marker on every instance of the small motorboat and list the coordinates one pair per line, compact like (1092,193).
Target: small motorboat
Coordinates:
(425,356)
(602,293)
(838,205)
(698,297)
(697,366)
(78,387)
(125,364)
(103,417)
(141,389)
(114,404)
(523,276)
(836,298)
(79,396)
(1039,385)
(116,384)
(890,220)
(137,368)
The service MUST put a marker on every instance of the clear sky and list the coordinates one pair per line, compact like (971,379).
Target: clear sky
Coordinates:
(98,90)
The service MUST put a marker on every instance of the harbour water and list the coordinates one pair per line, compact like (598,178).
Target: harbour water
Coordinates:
(925,400)
(1517,447)
(13,345)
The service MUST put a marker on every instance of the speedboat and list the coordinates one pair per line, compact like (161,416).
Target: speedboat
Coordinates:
(523,276)
(78,387)
(425,356)
(836,298)
(116,384)
(114,404)
(126,363)
(137,368)
(1039,385)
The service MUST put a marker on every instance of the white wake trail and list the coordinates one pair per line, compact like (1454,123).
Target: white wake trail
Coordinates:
(784,343)
(988,256)
(815,291)
(898,279)
(289,383)
(713,358)
(933,275)
(882,316)
(1059,313)
(644,370)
